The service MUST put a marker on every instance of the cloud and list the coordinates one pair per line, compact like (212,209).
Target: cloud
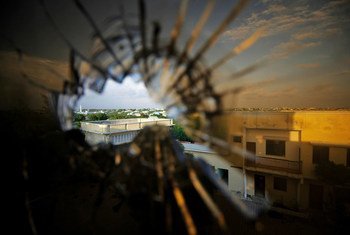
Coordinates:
(285,92)
(325,94)
(316,33)
(308,66)
(281,17)
(239,33)
(285,49)
(257,88)
(341,73)
(266,96)
(276,18)
(306,35)
(321,89)
(129,94)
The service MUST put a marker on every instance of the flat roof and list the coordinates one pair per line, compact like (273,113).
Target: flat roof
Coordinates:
(197,148)
(126,120)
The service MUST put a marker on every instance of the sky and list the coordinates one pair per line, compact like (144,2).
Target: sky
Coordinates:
(306,45)
(129,94)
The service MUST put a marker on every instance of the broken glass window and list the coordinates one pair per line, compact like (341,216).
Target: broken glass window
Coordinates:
(175,63)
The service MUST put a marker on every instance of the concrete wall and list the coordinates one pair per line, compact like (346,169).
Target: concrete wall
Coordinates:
(94,127)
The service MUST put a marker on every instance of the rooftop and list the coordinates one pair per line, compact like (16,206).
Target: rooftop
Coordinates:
(122,125)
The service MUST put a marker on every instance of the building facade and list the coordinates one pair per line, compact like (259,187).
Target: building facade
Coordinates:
(279,152)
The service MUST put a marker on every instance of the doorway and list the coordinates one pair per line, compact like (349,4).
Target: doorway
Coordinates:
(316,197)
(251,148)
(259,185)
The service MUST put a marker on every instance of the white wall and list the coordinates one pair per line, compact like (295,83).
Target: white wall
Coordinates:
(235,176)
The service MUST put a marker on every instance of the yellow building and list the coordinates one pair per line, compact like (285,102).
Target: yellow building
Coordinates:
(285,147)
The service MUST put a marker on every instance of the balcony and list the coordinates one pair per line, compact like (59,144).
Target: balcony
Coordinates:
(294,167)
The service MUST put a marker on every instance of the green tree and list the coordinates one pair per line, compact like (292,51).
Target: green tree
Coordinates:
(178,133)
(97,116)
(117,115)
(144,115)
(78,117)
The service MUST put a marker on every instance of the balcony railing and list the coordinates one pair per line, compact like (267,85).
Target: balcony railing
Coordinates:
(294,167)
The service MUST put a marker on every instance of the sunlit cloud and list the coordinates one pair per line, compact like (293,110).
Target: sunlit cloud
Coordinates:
(321,88)
(280,18)
(278,93)
(285,49)
(306,35)
(321,95)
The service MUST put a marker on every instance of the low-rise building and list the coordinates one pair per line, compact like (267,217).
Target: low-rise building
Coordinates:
(279,153)
(118,131)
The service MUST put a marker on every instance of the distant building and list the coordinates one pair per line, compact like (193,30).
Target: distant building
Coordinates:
(80,111)
(118,131)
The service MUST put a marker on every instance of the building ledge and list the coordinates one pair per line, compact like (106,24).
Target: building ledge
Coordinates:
(274,172)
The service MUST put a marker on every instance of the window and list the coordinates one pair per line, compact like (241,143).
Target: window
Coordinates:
(348,158)
(276,147)
(320,154)
(280,184)
(237,139)
(223,174)
(251,147)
